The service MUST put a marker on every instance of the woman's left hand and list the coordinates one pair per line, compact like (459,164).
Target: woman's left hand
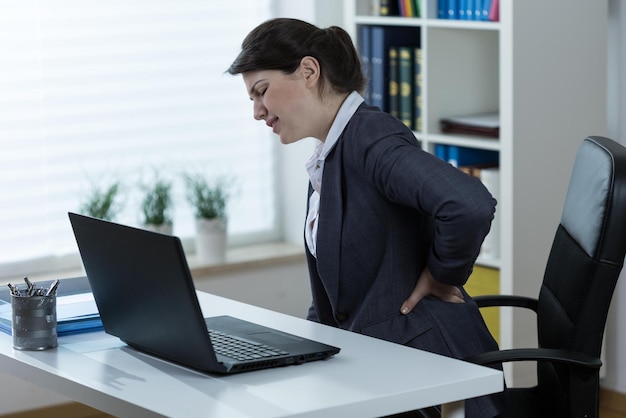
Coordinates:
(427,285)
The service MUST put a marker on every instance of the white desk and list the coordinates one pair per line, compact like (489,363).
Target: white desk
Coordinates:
(368,378)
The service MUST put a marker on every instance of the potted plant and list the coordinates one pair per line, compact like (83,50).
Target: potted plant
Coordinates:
(101,202)
(209,200)
(156,206)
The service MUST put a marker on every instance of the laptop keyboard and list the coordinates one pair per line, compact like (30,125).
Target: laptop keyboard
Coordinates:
(240,349)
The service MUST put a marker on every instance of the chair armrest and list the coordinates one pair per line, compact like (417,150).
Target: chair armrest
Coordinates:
(537,354)
(506,300)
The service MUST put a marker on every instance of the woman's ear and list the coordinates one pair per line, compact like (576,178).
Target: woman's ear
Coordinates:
(310,68)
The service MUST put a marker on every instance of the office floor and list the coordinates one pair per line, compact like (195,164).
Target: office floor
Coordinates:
(616,408)
(605,413)
(70,410)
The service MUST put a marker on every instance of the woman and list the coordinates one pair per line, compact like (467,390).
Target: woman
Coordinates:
(391,231)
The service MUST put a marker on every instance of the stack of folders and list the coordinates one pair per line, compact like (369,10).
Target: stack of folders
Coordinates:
(482,124)
(76,309)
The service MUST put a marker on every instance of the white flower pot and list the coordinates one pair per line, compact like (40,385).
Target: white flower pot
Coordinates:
(211,240)
(163,228)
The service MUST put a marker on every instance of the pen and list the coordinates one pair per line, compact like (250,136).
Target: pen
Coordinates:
(30,287)
(13,289)
(53,288)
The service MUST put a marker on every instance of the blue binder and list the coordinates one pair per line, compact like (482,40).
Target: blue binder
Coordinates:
(383,37)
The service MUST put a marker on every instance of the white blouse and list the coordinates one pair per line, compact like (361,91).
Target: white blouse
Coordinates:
(315,166)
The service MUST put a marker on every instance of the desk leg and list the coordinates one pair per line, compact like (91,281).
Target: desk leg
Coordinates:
(453,410)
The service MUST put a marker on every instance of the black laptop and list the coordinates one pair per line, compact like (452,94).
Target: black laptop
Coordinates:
(146,297)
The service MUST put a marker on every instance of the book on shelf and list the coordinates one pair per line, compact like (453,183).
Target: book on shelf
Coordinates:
(441,151)
(76,309)
(378,65)
(418,8)
(478,7)
(381,39)
(453,9)
(459,156)
(403,8)
(406,78)
(481,10)
(461,9)
(401,80)
(442,9)
(490,176)
(465,157)
(388,8)
(494,11)
(394,82)
(485,7)
(418,88)
(409,8)
(482,124)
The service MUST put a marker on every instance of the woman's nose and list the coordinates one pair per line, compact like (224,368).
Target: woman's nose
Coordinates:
(260,113)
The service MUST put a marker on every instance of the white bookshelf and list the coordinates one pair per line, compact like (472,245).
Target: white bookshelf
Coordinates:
(543,66)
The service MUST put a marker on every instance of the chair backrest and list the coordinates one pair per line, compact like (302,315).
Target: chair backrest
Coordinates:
(585,260)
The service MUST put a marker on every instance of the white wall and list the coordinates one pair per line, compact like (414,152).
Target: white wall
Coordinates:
(293,177)
(615,346)
(283,288)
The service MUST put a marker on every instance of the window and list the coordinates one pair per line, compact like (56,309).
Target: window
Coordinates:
(104,90)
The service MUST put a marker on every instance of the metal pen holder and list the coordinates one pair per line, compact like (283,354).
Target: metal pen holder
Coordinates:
(34,322)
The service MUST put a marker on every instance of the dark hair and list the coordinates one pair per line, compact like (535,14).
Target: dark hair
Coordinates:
(280,44)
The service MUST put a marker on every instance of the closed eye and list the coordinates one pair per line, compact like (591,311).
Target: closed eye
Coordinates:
(254,92)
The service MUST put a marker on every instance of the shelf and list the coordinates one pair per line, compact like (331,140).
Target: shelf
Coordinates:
(389,20)
(462,24)
(422,22)
(488,262)
(460,73)
(547,79)
(463,141)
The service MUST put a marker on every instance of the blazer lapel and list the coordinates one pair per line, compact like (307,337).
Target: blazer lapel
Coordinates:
(330,224)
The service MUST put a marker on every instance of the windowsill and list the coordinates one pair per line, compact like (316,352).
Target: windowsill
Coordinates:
(237,259)
(251,257)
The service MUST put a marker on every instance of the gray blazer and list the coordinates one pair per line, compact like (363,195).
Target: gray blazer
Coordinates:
(387,210)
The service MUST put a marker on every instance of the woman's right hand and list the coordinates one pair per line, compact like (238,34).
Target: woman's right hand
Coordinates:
(428,286)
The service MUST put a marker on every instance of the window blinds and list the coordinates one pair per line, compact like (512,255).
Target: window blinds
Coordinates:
(98,91)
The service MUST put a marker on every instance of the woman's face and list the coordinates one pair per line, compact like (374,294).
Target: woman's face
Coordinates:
(285,102)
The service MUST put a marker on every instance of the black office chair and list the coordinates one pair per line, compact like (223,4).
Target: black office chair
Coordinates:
(583,267)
